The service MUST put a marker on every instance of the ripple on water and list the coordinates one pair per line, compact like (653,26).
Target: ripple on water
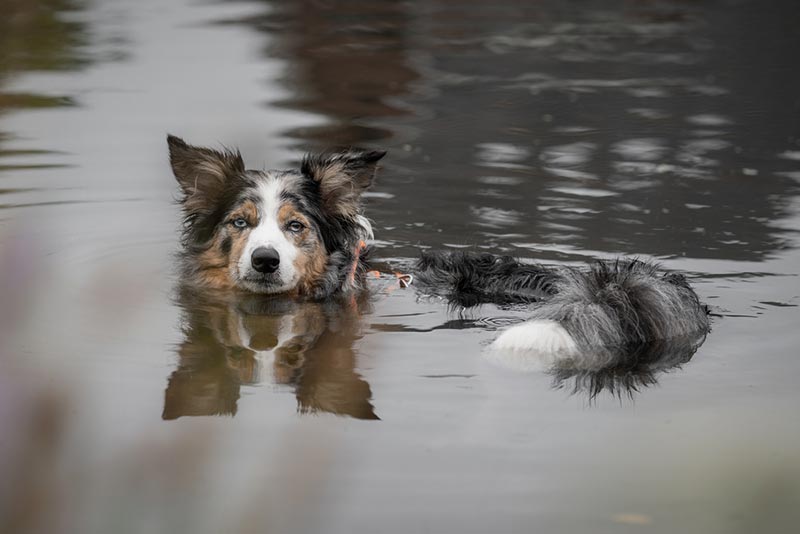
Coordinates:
(641,149)
(708,119)
(572,154)
(649,92)
(572,174)
(495,217)
(644,169)
(649,113)
(637,87)
(500,180)
(701,146)
(497,193)
(584,192)
(707,90)
(502,155)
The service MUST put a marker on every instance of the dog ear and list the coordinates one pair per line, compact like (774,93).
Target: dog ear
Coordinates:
(342,177)
(201,172)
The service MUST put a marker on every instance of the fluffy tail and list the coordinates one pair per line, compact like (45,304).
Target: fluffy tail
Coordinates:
(469,278)
(583,317)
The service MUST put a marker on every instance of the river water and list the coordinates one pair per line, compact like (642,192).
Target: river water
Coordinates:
(555,131)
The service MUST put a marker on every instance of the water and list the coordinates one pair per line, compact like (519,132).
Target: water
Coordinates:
(556,131)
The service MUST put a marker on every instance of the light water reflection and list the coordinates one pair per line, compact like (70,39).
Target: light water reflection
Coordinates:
(35,36)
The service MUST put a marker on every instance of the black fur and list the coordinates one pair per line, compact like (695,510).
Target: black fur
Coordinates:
(327,189)
(631,369)
(610,305)
(469,279)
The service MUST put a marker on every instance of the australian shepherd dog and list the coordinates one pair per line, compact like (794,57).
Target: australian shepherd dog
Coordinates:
(301,233)
(297,233)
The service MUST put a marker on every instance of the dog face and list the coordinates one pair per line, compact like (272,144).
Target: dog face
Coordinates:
(270,231)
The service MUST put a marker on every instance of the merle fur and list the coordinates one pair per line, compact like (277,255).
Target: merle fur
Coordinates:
(331,201)
(327,189)
(468,278)
(609,307)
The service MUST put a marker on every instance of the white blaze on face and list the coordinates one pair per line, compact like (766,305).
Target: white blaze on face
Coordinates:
(269,233)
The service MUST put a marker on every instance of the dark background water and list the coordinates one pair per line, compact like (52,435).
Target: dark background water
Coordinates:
(556,131)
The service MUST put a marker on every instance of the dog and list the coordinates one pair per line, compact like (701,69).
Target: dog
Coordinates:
(581,318)
(301,233)
(294,233)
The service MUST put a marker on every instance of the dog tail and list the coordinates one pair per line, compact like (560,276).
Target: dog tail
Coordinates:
(614,306)
(470,278)
(583,316)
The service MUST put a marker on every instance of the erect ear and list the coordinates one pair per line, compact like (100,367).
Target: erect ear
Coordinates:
(201,172)
(342,177)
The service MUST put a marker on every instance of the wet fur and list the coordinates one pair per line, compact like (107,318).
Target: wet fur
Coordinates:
(628,371)
(609,309)
(325,194)
(468,279)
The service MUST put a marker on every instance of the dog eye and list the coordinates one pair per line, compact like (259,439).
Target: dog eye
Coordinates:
(295,226)
(240,223)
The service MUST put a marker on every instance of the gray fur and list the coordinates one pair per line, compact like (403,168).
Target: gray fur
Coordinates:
(608,309)
(626,371)
(618,303)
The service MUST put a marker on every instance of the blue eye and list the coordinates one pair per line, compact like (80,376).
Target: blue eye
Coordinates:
(295,226)
(240,223)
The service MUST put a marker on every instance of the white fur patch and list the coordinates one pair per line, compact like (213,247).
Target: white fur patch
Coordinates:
(366,227)
(269,233)
(533,345)
(265,359)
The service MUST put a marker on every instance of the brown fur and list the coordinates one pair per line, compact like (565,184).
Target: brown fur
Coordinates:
(324,196)
(215,266)
(201,172)
(218,355)
(214,272)
(343,178)
(248,211)
(339,191)
(313,260)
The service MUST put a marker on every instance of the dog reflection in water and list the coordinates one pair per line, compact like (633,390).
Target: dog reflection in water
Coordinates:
(232,342)
(628,370)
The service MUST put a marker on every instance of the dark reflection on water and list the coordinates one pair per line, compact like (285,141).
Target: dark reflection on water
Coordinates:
(347,61)
(37,36)
(631,370)
(235,341)
(621,127)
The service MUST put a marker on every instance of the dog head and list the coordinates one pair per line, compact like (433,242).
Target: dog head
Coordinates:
(271,231)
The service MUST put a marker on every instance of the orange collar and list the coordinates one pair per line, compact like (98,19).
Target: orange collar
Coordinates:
(351,275)
(404,280)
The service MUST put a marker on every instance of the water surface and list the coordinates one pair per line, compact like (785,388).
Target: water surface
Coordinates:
(555,131)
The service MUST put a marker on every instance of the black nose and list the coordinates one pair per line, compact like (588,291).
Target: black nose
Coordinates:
(265,259)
